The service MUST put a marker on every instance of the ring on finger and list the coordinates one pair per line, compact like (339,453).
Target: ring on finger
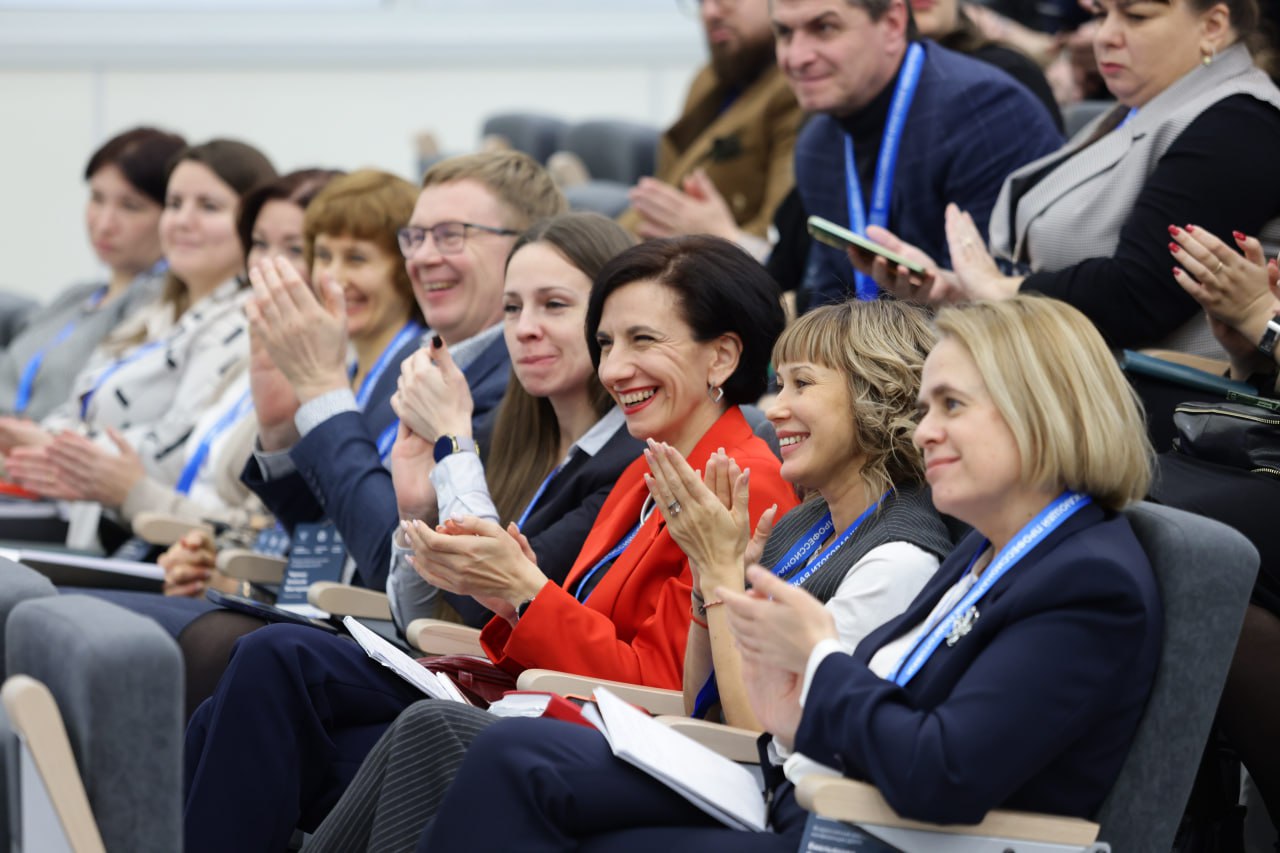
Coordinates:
(674,507)
(1219,267)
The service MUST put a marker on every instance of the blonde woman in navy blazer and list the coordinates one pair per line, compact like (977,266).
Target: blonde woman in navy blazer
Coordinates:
(1033,689)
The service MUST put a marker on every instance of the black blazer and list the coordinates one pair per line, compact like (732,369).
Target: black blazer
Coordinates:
(1034,709)
(560,522)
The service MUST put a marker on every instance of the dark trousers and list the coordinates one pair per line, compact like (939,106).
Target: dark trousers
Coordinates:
(281,738)
(545,785)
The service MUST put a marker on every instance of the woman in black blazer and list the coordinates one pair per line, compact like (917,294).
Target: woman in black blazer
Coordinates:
(1016,678)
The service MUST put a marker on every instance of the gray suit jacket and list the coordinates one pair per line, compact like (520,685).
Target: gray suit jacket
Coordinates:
(1077,209)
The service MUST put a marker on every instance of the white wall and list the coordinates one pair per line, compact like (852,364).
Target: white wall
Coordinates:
(328,88)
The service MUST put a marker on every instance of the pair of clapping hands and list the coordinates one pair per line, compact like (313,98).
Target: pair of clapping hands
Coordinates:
(775,625)
(70,466)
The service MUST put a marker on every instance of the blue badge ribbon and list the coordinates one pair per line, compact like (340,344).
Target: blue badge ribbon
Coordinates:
(387,441)
(232,416)
(411,329)
(1046,522)
(106,374)
(785,568)
(537,496)
(27,380)
(886,163)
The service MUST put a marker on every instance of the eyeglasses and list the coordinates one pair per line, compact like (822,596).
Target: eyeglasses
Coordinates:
(449,237)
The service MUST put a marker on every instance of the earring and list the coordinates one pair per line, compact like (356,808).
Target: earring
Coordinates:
(715,392)
(1207,58)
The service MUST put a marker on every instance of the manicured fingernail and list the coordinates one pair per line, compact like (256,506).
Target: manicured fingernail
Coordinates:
(1173,247)
(1191,229)
(1177,272)
(437,341)
(1238,236)
(1174,230)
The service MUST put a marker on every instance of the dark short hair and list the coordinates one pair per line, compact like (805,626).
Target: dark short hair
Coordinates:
(297,187)
(142,155)
(238,164)
(719,289)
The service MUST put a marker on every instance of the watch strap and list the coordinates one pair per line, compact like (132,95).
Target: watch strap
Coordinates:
(1270,335)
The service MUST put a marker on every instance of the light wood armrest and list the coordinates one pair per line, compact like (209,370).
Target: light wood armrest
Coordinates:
(438,637)
(857,802)
(342,599)
(162,529)
(652,699)
(35,717)
(245,565)
(733,743)
(1216,366)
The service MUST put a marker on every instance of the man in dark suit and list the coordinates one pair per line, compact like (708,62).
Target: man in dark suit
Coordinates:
(905,124)
(316,460)
(735,136)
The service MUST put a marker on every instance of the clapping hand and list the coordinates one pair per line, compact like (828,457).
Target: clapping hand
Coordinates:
(432,396)
(707,518)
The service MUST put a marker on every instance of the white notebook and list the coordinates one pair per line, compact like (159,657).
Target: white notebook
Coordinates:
(433,684)
(710,781)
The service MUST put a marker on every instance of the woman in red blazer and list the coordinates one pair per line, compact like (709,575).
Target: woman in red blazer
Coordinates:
(681,332)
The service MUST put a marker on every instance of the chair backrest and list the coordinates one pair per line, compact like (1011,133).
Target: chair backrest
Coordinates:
(1076,116)
(17,584)
(620,151)
(51,812)
(1205,572)
(117,679)
(533,133)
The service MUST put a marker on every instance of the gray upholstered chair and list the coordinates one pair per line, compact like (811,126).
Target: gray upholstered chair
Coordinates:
(533,133)
(17,584)
(619,151)
(117,680)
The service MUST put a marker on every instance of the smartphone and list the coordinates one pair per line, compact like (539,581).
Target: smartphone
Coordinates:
(826,231)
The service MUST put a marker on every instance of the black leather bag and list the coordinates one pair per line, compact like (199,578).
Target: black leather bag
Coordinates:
(1237,435)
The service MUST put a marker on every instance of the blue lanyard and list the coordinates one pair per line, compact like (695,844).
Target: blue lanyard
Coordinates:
(411,330)
(537,496)
(886,164)
(232,416)
(387,440)
(1050,519)
(1127,117)
(610,557)
(106,374)
(28,379)
(799,553)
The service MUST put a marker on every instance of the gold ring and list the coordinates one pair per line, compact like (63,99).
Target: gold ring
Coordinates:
(1219,267)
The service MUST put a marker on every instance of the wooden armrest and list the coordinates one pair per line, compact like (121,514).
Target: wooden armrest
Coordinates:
(438,637)
(857,802)
(34,715)
(342,599)
(245,565)
(1216,366)
(162,529)
(652,699)
(733,743)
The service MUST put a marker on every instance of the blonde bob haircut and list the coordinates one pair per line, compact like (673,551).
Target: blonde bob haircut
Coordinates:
(879,347)
(517,180)
(1077,422)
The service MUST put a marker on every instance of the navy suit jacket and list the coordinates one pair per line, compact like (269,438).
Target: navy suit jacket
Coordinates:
(340,477)
(1034,709)
(565,514)
(969,126)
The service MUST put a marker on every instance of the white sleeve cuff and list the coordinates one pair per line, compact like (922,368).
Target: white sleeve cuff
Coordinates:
(274,464)
(830,646)
(315,412)
(461,488)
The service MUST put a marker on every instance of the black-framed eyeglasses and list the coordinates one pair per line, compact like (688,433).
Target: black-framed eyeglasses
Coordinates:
(449,237)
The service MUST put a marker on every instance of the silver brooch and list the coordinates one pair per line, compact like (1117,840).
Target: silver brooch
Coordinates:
(962,626)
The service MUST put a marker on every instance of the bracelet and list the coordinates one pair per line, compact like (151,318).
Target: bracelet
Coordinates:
(697,597)
(703,608)
(693,617)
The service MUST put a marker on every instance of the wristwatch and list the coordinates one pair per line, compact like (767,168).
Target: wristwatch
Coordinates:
(447,445)
(1267,343)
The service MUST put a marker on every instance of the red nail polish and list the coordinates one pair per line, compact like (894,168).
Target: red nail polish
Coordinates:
(1173,247)
(1191,229)
(1177,272)
(1173,230)
(1239,236)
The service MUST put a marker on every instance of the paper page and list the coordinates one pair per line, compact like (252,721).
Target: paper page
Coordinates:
(150,571)
(710,781)
(435,686)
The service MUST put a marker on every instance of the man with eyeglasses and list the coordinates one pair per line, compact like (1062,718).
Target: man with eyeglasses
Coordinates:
(731,148)
(456,244)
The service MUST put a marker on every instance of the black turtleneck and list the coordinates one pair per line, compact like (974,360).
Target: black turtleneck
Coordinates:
(866,126)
